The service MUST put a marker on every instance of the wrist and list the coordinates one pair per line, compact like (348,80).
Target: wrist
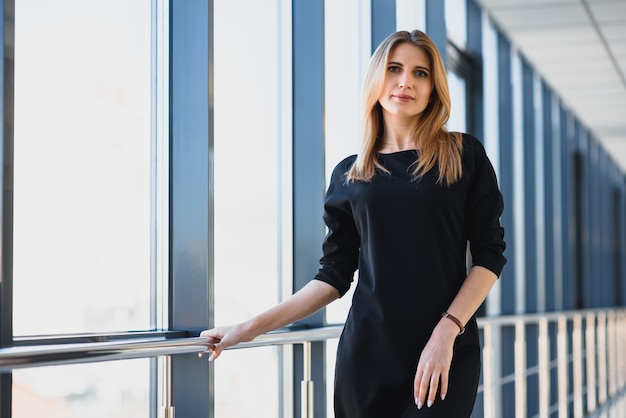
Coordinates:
(446,330)
(248,329)
(451,319)
(456,321)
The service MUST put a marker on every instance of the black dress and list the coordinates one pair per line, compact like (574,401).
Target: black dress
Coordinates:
(408,240)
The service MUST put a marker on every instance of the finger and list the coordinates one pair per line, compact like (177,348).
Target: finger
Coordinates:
(423,390)
(211,337)
(209,349)
(434,384)
(214,354)
(217,350)
(444,386)
(416,388)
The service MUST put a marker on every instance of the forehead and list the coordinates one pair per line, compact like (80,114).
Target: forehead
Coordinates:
(409,54)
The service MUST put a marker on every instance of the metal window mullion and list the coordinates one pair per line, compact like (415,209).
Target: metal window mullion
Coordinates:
(308,175)
(7,32)
(191,196)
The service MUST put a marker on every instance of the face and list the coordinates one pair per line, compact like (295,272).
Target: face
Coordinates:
(407,83)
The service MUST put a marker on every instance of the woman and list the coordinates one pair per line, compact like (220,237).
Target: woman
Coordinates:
(402,212)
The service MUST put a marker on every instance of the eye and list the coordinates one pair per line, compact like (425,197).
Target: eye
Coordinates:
(421,73)
(393,68)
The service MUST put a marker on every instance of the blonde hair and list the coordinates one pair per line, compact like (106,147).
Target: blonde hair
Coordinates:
(437,146)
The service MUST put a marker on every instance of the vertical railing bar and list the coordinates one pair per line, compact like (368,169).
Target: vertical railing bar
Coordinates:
(577,342)
(612,343)
(306,387)
(488,377)
(621,349)
(590,348)
(562,366)
(167,409)
(520,369)
(602,355)
(544,369)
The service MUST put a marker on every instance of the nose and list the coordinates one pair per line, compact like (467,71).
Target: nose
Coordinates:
(403,80)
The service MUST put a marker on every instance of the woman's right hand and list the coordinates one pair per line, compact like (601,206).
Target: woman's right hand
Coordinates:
(311,298)
(221,338)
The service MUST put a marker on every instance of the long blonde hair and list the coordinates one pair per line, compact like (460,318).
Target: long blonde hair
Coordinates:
(437,146)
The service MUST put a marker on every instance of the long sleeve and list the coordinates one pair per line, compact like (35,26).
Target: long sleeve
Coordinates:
(483,210)
(341,245)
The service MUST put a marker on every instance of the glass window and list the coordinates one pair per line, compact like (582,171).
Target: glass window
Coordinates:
(247,196)
(346,48)
(83,390)
(456,21)
(458,96)
(82,166)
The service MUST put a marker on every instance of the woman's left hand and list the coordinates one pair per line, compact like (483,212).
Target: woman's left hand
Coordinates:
(434,365)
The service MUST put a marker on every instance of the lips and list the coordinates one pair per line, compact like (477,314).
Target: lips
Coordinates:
(403,97)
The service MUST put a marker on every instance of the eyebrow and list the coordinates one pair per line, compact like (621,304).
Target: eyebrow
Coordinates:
(402,65)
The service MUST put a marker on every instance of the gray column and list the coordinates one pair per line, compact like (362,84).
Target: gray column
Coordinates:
(308,177)
(383,20)
(191,197)
(567,238)
(549,167)
(7,34)
(436,25)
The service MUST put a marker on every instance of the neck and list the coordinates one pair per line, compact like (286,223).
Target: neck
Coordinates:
(387,146)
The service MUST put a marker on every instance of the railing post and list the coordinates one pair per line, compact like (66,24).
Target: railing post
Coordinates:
(306,386)
(544,369)
(520,369)
(562,366)
(602,359)
(612,343)
(166,410)
(590,348)
(577,360)
(488,374)
(620,325)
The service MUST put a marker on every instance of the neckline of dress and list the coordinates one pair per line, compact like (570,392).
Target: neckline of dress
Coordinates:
(400,152)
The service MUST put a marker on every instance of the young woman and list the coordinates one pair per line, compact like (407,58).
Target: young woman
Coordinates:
(402,211)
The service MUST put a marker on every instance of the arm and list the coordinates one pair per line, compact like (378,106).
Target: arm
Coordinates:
(308,300)
(337,267)
(484,206)
(435,360)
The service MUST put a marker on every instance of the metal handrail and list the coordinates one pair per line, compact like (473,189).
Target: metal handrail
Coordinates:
(70,353)
(40,355)
(52,354)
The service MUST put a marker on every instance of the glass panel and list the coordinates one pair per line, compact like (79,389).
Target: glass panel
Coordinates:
(83,390)
(247,224)
(345,66)
(82,166)
(458,96)
(456,21)
(246,384)
(346,58)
